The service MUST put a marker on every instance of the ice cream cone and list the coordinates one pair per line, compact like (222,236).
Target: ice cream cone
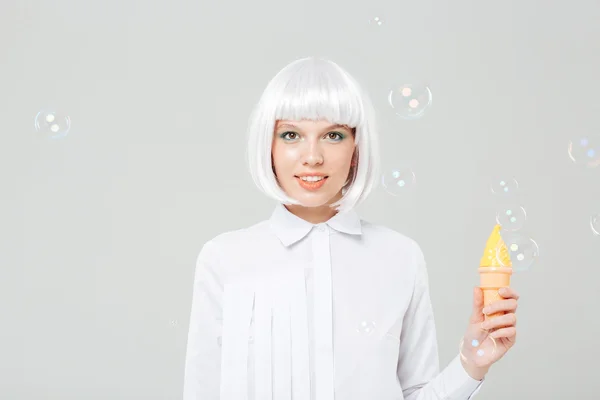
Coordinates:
(495,270)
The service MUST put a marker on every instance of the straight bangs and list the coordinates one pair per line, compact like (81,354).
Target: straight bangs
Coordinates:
(318,90)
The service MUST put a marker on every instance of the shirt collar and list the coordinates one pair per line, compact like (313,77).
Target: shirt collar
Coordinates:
(290,228)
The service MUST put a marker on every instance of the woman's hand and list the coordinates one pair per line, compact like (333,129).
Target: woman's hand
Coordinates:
(485,342)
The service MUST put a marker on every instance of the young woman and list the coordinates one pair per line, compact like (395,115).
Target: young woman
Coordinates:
(315,303)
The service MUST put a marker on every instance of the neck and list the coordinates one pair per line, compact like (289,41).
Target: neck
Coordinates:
(314,215)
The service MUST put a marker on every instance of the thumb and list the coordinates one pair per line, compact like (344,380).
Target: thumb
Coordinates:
(477,315)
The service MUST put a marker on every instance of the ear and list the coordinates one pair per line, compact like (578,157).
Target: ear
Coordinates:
(354,161)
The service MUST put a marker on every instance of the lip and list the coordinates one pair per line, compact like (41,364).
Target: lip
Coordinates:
(311,186)
(311,174)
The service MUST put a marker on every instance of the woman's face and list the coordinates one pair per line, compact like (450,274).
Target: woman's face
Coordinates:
(312,160)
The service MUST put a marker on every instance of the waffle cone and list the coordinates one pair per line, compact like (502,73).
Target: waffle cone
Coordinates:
(491,280)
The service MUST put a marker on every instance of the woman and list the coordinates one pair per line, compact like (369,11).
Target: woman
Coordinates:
(315,303)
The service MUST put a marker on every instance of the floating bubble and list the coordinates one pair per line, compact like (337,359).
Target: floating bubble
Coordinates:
(585,150)
(376,21)
(366,327)
(410,101)
(522,250)
(397,181)
(511,218)
(504,186)
(478,350)
(595,224)
(52,124)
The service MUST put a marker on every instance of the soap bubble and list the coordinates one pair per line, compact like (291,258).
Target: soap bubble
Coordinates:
(52,124)
(479,349)
(522,250)
(595,224)
(376,21)
(397,181)
(366,327)
(585,150)
(511,218)
(504,186)
(410,101)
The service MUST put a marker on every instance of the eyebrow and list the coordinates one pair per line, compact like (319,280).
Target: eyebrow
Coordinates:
(327,128)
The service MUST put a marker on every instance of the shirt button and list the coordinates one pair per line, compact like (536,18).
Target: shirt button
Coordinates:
(321,228)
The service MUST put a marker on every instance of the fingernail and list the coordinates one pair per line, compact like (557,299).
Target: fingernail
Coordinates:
(502,291)
(486,310)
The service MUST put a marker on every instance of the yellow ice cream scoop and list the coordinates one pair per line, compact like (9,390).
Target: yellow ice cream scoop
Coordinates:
(495,253)
(495,269)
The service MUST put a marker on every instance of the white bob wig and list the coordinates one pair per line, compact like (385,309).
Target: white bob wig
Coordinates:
(315,89)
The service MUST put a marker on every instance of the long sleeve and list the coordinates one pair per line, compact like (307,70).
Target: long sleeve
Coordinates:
(203,354)
(418,362)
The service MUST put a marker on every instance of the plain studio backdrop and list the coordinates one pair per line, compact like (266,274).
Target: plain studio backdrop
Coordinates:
(100,229)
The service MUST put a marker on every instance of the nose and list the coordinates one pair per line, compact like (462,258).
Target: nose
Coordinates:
(313,156)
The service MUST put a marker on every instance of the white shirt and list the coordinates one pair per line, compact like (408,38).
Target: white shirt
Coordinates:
(289,310)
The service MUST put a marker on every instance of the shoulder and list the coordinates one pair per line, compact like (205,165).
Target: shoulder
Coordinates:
(227,241)
(390,237)
(400,253)
(232,254)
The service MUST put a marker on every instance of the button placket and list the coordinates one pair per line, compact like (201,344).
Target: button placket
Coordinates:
(323,314)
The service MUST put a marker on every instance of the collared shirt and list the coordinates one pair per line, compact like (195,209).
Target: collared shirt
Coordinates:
(289,310)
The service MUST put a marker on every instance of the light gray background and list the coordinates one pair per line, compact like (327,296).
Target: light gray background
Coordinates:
(100,231)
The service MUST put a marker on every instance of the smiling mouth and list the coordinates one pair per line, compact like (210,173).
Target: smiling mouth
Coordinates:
(311,185)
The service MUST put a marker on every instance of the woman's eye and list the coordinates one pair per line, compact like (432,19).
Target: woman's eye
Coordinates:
(289,135)
(335,136)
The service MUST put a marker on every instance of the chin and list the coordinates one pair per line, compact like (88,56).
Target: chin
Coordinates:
(313,202)
(317,198)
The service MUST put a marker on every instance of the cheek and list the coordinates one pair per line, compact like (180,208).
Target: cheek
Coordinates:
(284,157)
(289,153)
(342,159)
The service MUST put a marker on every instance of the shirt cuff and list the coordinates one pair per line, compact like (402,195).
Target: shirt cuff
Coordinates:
(458,383)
